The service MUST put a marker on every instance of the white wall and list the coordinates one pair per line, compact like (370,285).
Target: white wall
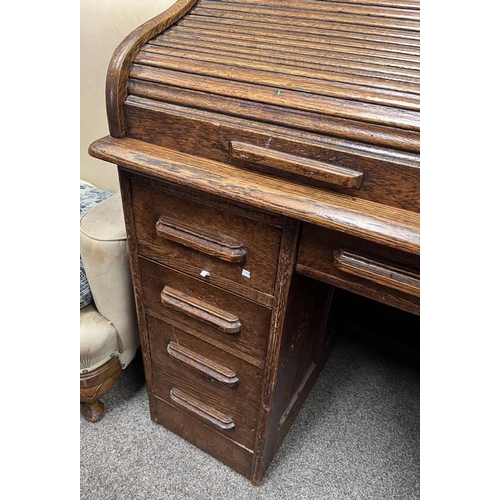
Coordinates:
(103,25)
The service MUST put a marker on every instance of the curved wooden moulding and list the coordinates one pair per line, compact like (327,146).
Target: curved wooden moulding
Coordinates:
(95,384)
(121,61)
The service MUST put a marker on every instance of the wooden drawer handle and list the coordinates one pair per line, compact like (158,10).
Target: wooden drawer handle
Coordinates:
(305,167)
(204,411)
(224,249)
(194,308)
(384,274)
(202,364)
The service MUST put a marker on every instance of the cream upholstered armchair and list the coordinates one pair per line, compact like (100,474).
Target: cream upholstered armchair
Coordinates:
(109,335)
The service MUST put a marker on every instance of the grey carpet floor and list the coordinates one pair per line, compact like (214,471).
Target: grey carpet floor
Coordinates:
(356,437)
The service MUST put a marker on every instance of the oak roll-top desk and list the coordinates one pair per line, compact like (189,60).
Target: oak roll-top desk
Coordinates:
(268,154)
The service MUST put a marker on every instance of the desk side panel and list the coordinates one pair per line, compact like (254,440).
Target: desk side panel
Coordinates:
(304,349)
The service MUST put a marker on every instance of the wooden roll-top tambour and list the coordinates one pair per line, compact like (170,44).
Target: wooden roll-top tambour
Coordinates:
(348,70)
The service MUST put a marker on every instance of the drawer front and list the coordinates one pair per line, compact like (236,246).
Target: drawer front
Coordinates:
(204,437)
(211,385)
(216,243)
(373,174)
(372,270)
(228,321)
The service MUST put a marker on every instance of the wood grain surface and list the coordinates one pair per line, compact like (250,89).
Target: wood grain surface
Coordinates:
(357,62)
(251,267)
(269,155)
(119,66)
(375,222)
(238,401)
(249,342)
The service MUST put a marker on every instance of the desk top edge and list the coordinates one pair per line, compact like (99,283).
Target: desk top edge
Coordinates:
(390,226)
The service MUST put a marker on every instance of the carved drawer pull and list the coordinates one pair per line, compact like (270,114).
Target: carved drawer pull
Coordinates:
(384,274)
(202,364)
(224,249)
(194,308)
(204,411)
(305,167)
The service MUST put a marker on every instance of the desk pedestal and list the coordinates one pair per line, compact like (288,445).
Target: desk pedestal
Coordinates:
(233,338)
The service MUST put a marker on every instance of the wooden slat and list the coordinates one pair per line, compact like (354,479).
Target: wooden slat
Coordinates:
(264,32)
(325,4)
(299,45)
(288,53)
(372,147)
(392,117)
(275,26)
(325,75)
(284,50)
(401,4)
(228,9)
(396,99)
(308,23)
(378,223)
(317,123)
(301,62)
(321,8)
(316,24)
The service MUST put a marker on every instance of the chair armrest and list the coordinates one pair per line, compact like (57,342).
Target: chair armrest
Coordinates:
(104,251)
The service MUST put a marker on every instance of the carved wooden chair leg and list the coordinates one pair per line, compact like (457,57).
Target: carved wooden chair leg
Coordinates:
(93,411)
(96,383)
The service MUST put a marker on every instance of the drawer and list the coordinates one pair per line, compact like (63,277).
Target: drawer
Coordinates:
(204,437)
(228,321)
(235,249)
(363,267)
(377,174)
(211,385)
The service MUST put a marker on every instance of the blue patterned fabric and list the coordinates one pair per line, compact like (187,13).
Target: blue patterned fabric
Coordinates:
(89,197)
